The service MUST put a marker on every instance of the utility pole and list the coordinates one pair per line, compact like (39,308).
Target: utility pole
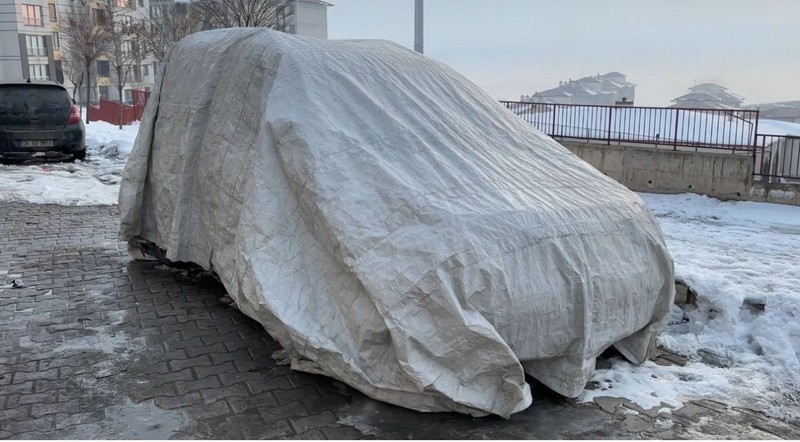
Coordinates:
(418,26)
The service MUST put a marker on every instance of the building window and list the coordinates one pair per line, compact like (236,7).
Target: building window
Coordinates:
(103,69)
(52,8)
(141,3)
(136,73)
(36,45)
(39,71)
(145,70)
(56,41)
(32,15)
(103,92)
(100,17)
(128,96)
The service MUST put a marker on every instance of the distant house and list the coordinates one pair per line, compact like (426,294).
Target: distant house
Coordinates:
(607,90)
(789,114)
(788,111)
(708,96)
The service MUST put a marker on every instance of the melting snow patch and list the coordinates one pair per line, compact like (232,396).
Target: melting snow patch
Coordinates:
(112,343)
(357,422)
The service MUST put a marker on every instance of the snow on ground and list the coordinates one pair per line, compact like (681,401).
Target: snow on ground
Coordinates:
(733,254)
(94,181)
(738,257)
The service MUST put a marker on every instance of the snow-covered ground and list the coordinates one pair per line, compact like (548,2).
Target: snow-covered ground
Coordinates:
(738,256)
(94,181)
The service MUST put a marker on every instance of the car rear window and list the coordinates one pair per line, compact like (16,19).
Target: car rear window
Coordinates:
(33,106)
(19,98)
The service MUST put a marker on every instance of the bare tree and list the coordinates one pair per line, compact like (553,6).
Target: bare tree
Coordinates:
(73,67)
(124,55)
(168,23)
(84,39)
(241,13)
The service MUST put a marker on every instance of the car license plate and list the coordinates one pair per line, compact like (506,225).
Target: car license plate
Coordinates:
(36,143)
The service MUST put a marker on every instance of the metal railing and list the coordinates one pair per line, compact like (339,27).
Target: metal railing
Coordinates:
(777,156)
(733,130)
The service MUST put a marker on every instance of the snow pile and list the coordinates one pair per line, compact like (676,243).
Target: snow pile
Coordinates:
(69,185)
(105,140)
(740,258)
(94,181)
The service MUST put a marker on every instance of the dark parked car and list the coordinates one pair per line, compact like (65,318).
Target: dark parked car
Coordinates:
(38,120)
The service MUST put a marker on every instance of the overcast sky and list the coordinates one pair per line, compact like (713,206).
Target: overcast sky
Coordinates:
(514,47)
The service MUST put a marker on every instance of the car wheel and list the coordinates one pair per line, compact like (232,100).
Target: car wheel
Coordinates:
(80,155)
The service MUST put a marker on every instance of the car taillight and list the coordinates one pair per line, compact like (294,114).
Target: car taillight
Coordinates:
(74,115)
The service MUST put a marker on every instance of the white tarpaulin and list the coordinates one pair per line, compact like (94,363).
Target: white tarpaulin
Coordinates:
(389,223)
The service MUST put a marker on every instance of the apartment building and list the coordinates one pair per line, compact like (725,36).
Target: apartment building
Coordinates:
(708,96)
(30,47)
(308,18)
(28,40)
(608,90)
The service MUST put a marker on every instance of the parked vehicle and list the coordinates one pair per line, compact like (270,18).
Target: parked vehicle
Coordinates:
(39,120)
(391,225)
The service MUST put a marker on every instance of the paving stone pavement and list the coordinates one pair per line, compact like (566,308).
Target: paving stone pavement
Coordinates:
(96,345)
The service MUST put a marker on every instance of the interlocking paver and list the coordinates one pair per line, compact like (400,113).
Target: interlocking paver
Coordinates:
(205,411)
(252,402)
(180,364)
(206,350)
(179,401)
(324,419)
(224,368)
(94,336)
(199,384)
(296,394)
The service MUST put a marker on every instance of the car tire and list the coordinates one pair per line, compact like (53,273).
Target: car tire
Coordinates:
(80,155)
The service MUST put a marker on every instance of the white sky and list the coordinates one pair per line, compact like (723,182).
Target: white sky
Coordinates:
(515,47)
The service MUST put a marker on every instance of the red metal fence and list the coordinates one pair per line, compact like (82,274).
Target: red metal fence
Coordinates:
(109,111)
(734,131)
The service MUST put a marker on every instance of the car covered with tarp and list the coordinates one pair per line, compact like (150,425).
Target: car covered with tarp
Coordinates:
(389,223)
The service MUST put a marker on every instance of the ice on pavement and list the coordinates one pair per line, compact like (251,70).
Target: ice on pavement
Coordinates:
(737,256)
(91,182)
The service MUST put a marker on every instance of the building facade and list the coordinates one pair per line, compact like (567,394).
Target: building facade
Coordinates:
(28,40)
(788,111)
(708,96)
(30,43)
(607,90)
(31,47)
(308,18)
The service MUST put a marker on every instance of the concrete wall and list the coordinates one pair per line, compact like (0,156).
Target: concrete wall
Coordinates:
(719,175)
